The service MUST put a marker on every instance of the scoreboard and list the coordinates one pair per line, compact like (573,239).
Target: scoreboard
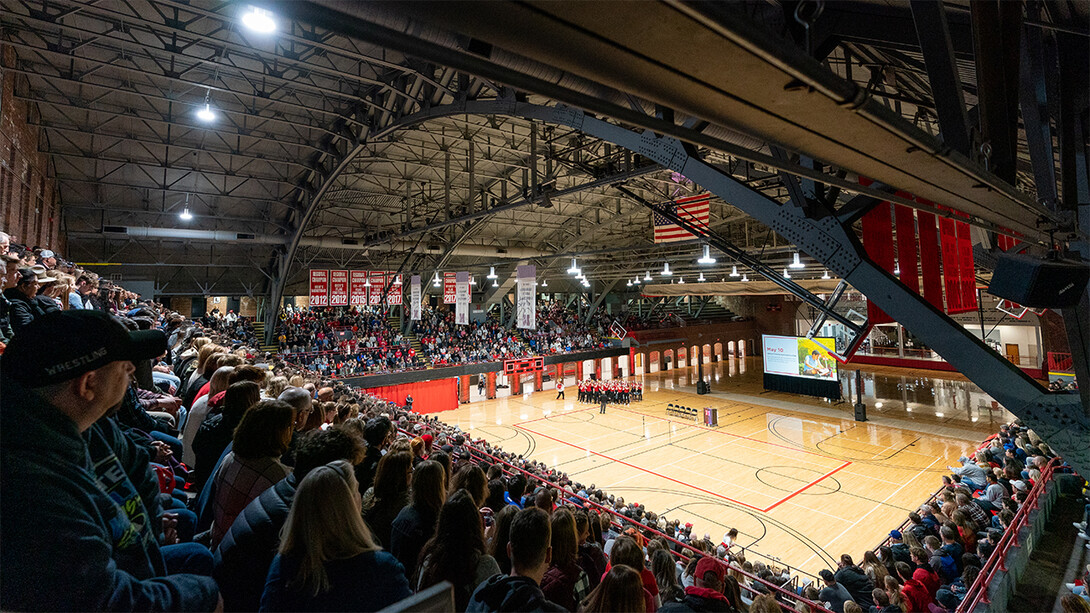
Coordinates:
(514,367)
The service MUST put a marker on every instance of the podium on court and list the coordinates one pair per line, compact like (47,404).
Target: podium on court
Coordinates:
(711,417)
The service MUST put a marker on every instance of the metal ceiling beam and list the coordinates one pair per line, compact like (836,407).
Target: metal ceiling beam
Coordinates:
(929,16)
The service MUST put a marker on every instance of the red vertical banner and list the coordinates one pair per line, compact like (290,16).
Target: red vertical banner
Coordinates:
(319,288)
(338,288)
(966,265)
(930,258)
(357,288)
(906,246)
(377,288)
(450,288)
(393,297)
(878,241)
(951,264)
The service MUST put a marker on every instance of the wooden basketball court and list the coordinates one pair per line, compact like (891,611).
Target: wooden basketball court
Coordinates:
(802,485)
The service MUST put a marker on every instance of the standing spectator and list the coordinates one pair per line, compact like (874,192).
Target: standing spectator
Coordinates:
(253,465)
(457,551)
(530,556)
(415,524)
(62,374)
(327,552)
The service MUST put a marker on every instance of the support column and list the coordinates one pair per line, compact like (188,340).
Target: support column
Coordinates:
(537,381)
(490,390)
(598,369)
(579,370)
(463,389)
(616,361)
(558,370)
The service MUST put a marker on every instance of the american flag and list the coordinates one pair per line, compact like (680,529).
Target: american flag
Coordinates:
(693,209)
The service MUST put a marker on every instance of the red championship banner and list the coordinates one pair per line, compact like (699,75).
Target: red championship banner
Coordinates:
(319,288)
(338,288)
(357,293)
(450,288)
(393,298)
(378,280)
(930,256)
(878,242)
(951,263)
(966,264)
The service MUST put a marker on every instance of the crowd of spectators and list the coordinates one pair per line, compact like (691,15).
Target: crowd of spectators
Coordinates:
(152,462)
(343,342)
(562,330)
(445,343)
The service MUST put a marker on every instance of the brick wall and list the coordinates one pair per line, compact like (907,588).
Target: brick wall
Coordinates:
(29,204)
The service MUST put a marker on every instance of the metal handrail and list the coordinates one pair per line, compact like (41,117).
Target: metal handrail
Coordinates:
(775,589)
(978,591)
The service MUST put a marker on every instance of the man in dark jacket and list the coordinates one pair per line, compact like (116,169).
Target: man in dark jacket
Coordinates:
(707,592)
(23,308)
(899,549)
(244,555)
(833,595)
(530,557)
(854,579)
(61,374)
(377,435)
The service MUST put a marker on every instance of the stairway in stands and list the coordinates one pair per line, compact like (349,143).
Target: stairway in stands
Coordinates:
(712,311)
(394,321)
(259,332)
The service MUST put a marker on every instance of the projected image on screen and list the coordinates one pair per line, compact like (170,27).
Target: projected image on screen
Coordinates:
(799,357)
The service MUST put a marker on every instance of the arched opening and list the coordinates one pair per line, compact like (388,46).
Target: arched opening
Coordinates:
(624,366)
(653,362)
(682,357)
(718,349)
(742,348)
(607,369)
(731,348)
(667,359)
(694,356)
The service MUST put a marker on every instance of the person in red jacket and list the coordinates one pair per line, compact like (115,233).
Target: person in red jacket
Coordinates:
(924,573)
(915,593)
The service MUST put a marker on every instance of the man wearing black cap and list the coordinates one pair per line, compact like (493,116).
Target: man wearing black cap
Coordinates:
(23,308)
(76,531)
(833,594)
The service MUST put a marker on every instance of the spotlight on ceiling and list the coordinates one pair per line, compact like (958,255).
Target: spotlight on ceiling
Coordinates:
(491,272)
(681,280)
(574,270)
(435,281)
(473,280)
(629,284)
(745,279)
(826,275)
(494,284)
(647,276)
(734,271)
(185,215)
(544,283)
(796,263)
(707,259)
(701,278)
(259,20)
(666,270)
(206,114)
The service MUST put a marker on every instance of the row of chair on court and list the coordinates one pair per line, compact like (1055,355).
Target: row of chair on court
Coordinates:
(679,411)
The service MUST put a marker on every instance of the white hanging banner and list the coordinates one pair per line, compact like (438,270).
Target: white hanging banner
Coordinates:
(461,303)
(414,298)
(526,305)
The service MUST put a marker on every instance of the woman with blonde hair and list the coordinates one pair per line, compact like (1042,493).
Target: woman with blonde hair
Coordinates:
(893,590)
(275,386)
(910,540)
(874,568)
(327,553)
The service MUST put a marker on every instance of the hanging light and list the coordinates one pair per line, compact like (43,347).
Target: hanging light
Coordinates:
(544,283)
(636,280)
(206,114)
(734,271)
(707,259)
(259,20)
(367,283)
(473,280)
(701,278)
(786,275)
(491,272)
(629,284)
(185,215)
(585,282)
(666,270)
(745,279)
(680,280)
(647,276)
(435,282)
(494,283)
(826,275)
(397,280)
(796,263)
(574,270)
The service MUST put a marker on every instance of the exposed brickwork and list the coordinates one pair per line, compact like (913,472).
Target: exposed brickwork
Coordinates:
(29,204)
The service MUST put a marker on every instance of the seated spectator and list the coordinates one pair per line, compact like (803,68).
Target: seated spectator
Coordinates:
(390,493)
(200,410)
(501,536)
(415,524)
(565,583)
(217,431)
(854,579)
(253,465)
(707,592)
(620,590)
(833,595)
(23,304)
(457,552)
(530,555)
(378,434)
(626,551)
(244,555)
(327,553)
(61,374)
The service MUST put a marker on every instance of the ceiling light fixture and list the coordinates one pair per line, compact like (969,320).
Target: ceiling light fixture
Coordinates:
(636,280)
(435,282)
(491,272)
(647,276)
(367,282)
(707,259)
(796,263)
(473,280)
(259,20)
(734,271)
(574,270)
(666,270)
(681,280)
(494,283)
(206,114)
(185,215)
(629,284)
(745,279)
(701,278)
(826,275)
(786,275)
(544,283)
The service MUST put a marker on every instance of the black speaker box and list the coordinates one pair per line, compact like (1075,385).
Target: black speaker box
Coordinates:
(1039,283)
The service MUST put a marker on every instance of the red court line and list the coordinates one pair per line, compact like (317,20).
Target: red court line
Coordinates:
(521,426)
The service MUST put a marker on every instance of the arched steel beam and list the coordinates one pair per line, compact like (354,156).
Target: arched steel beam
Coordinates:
(1057,418)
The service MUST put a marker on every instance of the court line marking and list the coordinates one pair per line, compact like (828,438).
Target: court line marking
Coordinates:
(521,425)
